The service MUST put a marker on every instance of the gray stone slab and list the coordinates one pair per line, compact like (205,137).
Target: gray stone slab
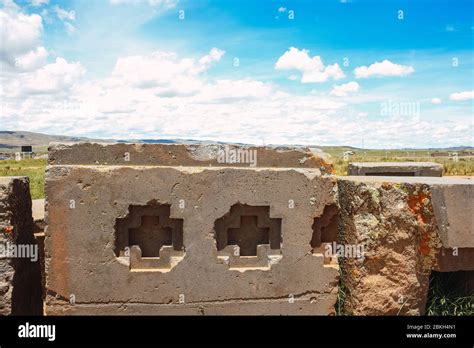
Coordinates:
(430,169)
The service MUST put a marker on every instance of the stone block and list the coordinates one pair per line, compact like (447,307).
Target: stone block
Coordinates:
(213,155)
(406,226)
(20,276)
(165,238)
(395,169)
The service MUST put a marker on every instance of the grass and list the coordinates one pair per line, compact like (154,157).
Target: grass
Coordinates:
(32,168)
(447,296)
(342,293)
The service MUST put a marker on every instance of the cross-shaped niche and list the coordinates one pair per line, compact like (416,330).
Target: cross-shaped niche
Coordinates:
(149,237)
(247,237)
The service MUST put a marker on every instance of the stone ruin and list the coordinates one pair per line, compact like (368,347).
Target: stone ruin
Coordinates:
(223,229)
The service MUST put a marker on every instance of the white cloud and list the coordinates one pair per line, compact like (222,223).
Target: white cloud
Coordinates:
(21,33)
(344,89)
(312,68)
(293,77)
(164,70)
(214,55)
(33,59)
(37,3)
(52,78)
(65,14)
(466,95)
(164,95)
(435,101)
(384,68)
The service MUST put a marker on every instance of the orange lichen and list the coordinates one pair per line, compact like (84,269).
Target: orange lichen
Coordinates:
(8,229)
(416,203)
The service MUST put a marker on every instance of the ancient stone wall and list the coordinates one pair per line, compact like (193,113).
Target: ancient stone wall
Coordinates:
(226,229)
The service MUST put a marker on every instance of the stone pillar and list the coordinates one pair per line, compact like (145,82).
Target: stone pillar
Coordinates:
(20,275)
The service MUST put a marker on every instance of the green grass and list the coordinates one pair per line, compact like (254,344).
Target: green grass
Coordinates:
(447,296)
(342,293)
(32,168)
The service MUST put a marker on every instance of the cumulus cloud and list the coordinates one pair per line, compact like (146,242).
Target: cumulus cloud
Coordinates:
(24,60)
(312,68)
(384,68)
(435,101)
(33,59)
(21,33)
(141,103)
(466,95)
(50,79)
(165,95)
(165,71)
(344,89)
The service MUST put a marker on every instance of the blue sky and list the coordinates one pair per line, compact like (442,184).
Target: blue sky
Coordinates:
(381,73)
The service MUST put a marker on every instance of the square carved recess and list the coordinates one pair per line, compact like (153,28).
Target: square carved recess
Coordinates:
(247,238)
(149,238)
(325,234)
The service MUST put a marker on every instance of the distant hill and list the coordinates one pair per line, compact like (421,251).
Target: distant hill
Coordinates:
(12,140)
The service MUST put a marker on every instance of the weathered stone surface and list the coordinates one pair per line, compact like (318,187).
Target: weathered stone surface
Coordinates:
(396,220)
(20,278)
(395,169)
(187,222)
(453,204)
(187,155)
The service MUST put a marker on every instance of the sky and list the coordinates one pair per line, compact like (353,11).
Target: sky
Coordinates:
(364,73)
